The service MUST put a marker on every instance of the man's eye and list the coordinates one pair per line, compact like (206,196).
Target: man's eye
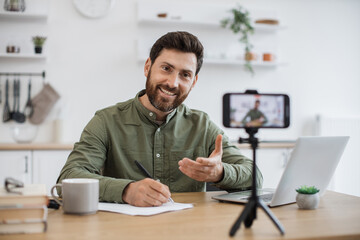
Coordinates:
(186,75)
(166,68)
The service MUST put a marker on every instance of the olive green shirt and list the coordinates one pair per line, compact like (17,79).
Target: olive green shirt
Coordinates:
(118,135)
(254,114)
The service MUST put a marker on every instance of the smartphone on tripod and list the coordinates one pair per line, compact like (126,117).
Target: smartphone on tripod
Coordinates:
(254,110)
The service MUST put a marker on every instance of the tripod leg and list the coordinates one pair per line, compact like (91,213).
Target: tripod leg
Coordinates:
(250,217)
(272,217)
(249,208)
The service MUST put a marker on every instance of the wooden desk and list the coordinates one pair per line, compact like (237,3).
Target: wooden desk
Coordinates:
(338,217)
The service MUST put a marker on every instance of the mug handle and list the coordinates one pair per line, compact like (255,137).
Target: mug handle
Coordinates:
(53,195)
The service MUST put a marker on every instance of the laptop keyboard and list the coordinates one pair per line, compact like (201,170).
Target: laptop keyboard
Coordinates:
(266,197)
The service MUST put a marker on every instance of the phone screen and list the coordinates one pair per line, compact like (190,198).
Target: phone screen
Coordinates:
(244,110)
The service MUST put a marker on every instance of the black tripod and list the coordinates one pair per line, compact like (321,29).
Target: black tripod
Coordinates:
(249,213)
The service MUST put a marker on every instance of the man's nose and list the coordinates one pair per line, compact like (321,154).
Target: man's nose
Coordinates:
(173,80)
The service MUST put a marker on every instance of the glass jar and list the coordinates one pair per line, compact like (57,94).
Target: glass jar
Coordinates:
(14,5)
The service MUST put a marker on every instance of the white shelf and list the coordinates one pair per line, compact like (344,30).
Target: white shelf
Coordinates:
(22,15)
(154,16)
(241,62)
(230,62)
(195,14)
(211,24)
(22,56)
(171,22)
(268,27)
(34,10)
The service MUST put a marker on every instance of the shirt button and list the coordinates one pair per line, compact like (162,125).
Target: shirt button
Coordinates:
(158,130)
(151,114)
(158,155)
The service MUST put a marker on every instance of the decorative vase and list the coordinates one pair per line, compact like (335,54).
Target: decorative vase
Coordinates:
(250,56)
(308,201)
(38,50)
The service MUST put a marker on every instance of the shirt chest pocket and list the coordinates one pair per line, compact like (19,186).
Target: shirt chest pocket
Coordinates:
(179,182)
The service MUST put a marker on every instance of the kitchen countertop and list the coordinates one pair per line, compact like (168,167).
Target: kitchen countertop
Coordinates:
(36,146)
(268,144)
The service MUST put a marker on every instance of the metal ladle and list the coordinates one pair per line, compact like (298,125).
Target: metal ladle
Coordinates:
(14,100)
(29,108)
(0,92)
(17,115)
(7,113)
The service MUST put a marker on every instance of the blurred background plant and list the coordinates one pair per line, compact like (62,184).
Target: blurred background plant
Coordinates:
(38,41)
(240,23)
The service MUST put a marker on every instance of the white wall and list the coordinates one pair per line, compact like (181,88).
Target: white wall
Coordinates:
(92,63)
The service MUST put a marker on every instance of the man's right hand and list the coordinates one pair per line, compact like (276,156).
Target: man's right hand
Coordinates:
(146,193)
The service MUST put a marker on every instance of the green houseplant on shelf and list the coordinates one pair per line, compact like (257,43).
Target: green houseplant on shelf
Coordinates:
(240,23)
(307,197)
(38,43)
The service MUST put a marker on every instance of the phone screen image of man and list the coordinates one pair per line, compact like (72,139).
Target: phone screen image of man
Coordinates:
(256,111)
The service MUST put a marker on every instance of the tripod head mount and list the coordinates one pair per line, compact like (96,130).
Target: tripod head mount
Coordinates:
(251,131)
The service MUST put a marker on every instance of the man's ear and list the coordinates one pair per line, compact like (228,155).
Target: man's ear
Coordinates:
(147,67)
(195,81)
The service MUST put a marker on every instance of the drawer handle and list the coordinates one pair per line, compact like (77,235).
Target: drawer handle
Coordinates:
(26,164)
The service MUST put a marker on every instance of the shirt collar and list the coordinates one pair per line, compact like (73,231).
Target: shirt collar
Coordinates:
(147,113)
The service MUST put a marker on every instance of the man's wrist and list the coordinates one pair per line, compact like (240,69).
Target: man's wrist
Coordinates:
(125,193)
(220,175)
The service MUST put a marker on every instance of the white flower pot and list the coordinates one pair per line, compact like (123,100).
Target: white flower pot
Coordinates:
(308,201)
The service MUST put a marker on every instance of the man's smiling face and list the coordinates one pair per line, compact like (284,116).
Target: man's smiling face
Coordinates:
(170,79)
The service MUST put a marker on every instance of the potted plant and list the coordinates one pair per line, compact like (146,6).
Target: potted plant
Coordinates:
(38,43)
(307,197)
(240,23)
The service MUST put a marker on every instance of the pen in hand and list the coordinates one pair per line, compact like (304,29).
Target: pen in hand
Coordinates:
(147,174)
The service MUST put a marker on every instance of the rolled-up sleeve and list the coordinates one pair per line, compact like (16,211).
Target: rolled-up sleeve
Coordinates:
(87,160)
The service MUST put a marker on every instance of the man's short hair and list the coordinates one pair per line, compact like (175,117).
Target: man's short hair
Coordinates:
(182,41)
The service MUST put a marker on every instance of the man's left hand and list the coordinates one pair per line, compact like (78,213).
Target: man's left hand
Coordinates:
(205,169)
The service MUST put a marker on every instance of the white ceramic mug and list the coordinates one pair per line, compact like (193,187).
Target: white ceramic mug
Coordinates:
(79,195)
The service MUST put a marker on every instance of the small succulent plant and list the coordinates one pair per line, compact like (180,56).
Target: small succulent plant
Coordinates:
(307,190)
(38,41)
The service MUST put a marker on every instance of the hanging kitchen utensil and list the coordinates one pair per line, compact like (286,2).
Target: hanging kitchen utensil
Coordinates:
(29,109)
(12,113)
(43,103)
(18,116)
(7,113)
(0,92)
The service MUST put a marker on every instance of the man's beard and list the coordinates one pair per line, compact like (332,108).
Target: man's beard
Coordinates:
(159,102)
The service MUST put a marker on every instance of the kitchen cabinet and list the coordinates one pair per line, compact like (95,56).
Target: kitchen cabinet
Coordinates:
(31,163)
(47,165)
(16,164)
(222,47)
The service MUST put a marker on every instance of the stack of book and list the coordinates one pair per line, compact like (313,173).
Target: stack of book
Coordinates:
(24,211)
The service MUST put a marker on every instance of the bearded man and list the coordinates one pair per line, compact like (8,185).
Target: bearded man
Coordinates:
(182,148)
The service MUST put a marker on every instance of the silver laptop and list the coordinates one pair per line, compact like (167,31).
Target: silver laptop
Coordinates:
(312,163)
